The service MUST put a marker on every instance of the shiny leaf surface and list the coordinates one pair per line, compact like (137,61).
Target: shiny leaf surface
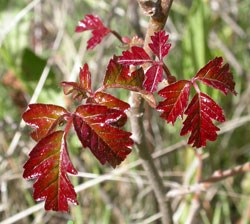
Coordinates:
(152,77)
(176,101)
(96,128)
(109,101)
(216,75)
(44,118)
(200,113)
(118,76)
(136,56)
(49,163)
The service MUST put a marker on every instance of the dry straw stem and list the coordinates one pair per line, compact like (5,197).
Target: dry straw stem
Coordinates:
(216,177)
(158,12)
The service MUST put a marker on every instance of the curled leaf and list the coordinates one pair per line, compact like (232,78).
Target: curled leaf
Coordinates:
(79,89)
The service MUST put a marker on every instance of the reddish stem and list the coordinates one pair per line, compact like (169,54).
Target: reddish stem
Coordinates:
(69,118)
(118,36)
(196,87)
(170,78)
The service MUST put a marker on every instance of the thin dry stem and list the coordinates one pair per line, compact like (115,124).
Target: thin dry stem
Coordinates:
(216,177)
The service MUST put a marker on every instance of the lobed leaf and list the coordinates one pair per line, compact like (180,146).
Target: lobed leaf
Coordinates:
(49,163)
(217,76)
(152,78)
(200,112)
(96,128)
(137,56)
(176,101)
(44,118)
(93,23)
(159,44)
(118,76)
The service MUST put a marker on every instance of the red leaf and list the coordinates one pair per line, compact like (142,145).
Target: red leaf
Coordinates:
(176,101)
(85,78)
(217,76)
(43,118)
(152,77)
(159,45)
(112,102)
(49,162)
(109,101)
(137,56)
(94,23)
(118,76)
(201,111)
(79,90)
(94,127)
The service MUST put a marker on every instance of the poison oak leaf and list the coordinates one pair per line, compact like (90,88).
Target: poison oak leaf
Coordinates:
(119,76)
(109,101)
(85,78)
(216,75)
(200,113)
(112,102)
(44,118)
(159,44)
(176,101)
(96,127)
(73,88)
(93,23)
(79,89)
(49,163)
(138,56)
(152,77)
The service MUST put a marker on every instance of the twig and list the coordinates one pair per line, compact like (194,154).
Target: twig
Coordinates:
(23,214)
(216,177)
(152,218)
(158,12)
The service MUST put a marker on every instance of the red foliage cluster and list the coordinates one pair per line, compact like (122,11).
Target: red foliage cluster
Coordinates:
(98,122)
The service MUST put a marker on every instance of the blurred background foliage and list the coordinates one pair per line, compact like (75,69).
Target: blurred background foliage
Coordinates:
(39,49)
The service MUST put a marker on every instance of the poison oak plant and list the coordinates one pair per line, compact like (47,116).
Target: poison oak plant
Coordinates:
(99,119)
